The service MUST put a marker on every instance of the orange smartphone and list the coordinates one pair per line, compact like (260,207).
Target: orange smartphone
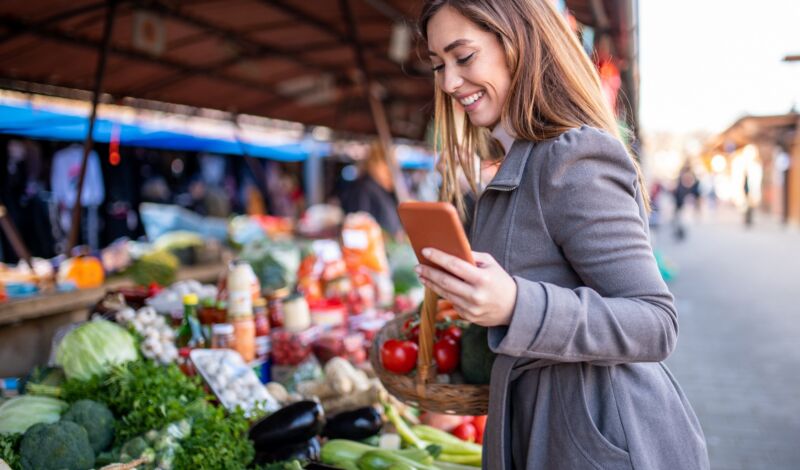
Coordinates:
(435,225)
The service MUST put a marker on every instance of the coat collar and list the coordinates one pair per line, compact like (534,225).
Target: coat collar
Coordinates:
(509,175)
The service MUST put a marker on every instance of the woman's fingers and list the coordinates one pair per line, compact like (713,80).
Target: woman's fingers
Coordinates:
(453,265)
(448,283)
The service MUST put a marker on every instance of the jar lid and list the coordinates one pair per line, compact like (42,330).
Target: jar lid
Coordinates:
(222,329)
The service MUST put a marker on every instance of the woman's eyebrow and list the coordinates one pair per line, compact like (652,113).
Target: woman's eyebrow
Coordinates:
(452,45)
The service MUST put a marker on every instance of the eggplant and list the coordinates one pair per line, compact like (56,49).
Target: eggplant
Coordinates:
(305,451)
(292,424)
(354,425)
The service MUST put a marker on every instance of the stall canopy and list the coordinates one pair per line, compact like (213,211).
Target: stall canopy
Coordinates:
(294,60)
(287,59)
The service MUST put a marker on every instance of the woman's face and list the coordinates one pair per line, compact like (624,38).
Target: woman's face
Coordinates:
(469,64)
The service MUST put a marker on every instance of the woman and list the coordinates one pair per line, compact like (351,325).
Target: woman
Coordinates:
(566,281)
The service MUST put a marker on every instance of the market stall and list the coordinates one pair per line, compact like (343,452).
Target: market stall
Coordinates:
(268,366)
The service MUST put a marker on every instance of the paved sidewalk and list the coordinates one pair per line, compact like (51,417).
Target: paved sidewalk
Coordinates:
(738,353)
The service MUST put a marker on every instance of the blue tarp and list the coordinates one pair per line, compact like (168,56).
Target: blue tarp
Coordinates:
(52,124)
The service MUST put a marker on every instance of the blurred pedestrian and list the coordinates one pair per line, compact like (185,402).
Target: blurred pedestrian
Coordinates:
(686,186)
(373,192)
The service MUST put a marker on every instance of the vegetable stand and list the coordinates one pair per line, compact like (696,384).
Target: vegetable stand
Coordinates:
(139,384)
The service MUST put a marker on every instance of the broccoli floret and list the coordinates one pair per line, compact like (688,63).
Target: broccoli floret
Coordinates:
(133,449)
(57,446)
(96,418)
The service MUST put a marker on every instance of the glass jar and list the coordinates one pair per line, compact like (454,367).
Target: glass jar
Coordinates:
(275,307)
(262,329)
(222,336)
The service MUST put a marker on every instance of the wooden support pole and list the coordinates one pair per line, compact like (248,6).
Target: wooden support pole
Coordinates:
(11,233)
(108,28)
(375,104)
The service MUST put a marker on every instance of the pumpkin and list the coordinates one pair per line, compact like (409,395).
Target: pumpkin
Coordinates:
(85,272)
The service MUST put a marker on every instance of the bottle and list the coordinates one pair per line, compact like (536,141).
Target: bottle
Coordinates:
(222,336)
(190,333)
(240,289)
(185,362)
(262,328)
(244,332)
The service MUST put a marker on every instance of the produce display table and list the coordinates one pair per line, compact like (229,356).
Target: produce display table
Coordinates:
(27,325)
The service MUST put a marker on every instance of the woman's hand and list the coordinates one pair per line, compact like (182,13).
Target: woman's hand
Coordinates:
(484,294)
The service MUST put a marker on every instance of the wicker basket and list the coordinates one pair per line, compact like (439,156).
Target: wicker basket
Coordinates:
(420,390)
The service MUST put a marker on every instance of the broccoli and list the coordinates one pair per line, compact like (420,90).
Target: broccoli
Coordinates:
(96,418)
(61,445)
(133,449)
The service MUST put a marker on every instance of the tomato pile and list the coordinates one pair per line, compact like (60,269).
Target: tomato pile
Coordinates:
(400,355)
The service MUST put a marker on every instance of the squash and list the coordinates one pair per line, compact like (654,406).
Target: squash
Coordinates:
(86,272)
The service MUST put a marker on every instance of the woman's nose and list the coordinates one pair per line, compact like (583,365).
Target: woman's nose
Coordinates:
(451,80)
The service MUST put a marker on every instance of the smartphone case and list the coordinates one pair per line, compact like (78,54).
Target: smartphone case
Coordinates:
(435,225)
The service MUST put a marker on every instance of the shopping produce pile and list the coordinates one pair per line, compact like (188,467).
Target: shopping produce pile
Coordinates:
(267,369)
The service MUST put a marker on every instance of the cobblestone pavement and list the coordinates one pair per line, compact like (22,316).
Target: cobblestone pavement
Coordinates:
(738,353)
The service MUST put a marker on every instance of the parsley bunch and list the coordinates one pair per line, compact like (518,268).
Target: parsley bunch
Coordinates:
(142,394)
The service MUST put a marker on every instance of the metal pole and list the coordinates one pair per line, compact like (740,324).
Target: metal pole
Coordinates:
(375,104)
(74,229)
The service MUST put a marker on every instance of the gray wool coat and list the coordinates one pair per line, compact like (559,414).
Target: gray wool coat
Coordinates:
(578,381)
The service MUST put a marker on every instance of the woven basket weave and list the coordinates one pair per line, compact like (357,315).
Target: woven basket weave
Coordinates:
(420,390)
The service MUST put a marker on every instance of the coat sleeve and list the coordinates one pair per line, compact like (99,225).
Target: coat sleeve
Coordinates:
(624,311)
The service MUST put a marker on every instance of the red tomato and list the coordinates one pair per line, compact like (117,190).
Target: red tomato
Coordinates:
(411,332)
(447,353)
(465,432)
(453,332)
(480,426)
(399,356)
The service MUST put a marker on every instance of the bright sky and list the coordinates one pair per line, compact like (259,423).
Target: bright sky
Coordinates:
(705,63)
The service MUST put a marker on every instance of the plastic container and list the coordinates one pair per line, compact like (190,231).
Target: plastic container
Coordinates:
(296,314)
(340,343)
(232,381)
(329,313)
(289,348)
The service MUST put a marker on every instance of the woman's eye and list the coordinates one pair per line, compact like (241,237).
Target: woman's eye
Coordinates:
(436,68)
(466,59)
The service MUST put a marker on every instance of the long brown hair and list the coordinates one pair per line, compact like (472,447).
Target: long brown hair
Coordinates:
(554,85)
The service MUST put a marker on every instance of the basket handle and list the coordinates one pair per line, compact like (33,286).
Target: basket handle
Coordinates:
(427,333)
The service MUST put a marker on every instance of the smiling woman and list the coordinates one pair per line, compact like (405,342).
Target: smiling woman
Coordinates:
(565,279)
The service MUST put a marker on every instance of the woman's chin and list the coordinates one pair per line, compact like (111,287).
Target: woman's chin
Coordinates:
(483,119)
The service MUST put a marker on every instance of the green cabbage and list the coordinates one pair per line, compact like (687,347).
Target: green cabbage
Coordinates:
(20,413)
(94,348)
